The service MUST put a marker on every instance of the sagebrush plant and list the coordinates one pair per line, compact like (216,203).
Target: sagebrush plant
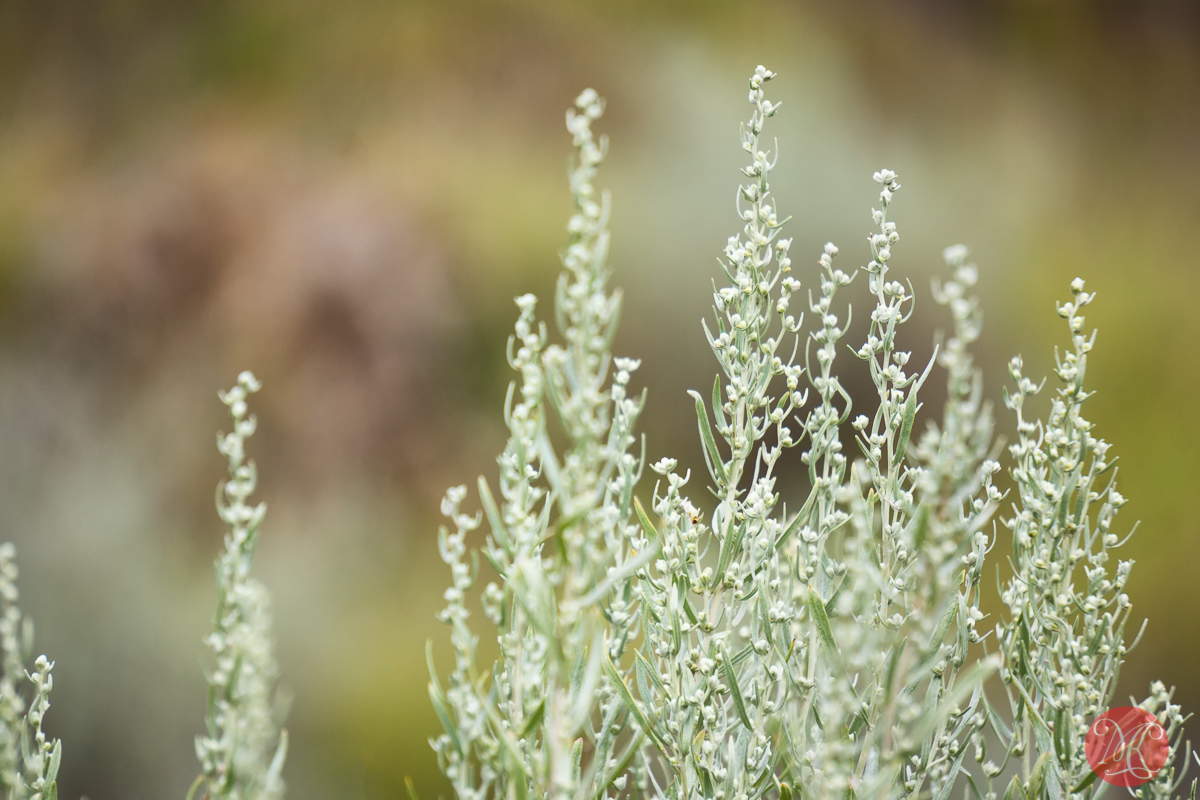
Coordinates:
(29,759)
(242,754)
(243,751)
(734,648)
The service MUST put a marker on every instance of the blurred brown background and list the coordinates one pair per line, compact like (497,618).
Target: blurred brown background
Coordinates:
(344,197)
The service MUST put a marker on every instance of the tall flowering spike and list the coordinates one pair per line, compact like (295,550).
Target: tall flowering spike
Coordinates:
(753,322)
(562,538)
(958,455)
(242,754)
(42,755)
(12,650)
(29,759)
(719,608)
(1062,636)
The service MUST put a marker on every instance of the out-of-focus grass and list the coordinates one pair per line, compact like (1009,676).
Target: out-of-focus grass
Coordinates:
(188,189)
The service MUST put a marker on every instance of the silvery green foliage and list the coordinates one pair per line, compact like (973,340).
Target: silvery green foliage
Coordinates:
(562,538)
(820,648)
(29,760)
(732,648)
(242,754)
(1062,636)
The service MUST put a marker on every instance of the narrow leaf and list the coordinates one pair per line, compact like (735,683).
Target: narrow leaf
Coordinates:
(718,414)
(534,720)
(1038,777)
(730,545)
(764,621)
(493,514)
(643,518)
(816,609)
(735,691)
(910,410)
(627,698)
(1014,791)
(612,725)
(438,698)
(576,680)
(948,786)
(649,671)
(443,714)
(712,456)
(910,414)
(801,517)
(195,785)
(831,603)
(577,760)
(889,683)
(1088,779)
(939,634)
(740,746)
(55,762)
(922,527)
(275,770)
(581,706)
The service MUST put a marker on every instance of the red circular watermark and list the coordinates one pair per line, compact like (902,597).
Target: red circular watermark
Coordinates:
(1126,746)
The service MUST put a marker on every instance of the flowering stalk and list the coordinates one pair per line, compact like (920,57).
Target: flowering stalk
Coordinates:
(29,760)
(563,540)
(711,671)
(1062,636)
(14,652)
(242,754)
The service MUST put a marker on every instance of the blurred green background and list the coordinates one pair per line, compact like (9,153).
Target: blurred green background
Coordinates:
(344,197)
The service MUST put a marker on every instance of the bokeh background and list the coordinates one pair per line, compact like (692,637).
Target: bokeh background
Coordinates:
(344,197)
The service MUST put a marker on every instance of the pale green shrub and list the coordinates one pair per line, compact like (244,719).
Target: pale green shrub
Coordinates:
(29,759)
(242,754)
(835,650)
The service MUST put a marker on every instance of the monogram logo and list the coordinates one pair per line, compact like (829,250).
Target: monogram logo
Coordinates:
(1126,746)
